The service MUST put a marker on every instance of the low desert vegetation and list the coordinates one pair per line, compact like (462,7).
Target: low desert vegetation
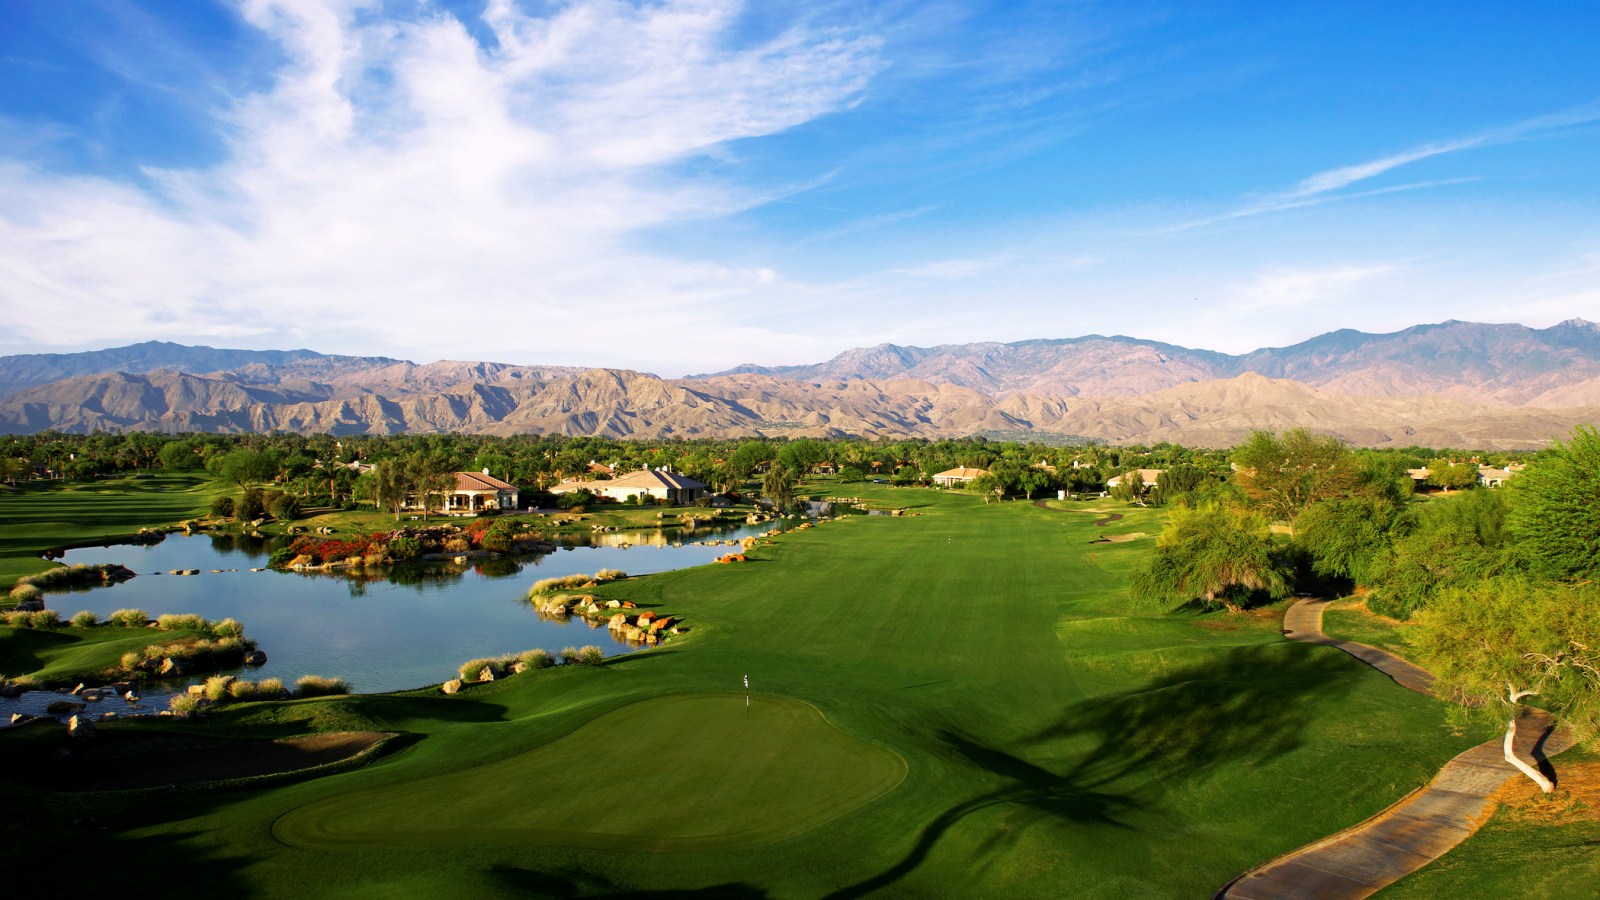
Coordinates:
(320,686)
(575,582)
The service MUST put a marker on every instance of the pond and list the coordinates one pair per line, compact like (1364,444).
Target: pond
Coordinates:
(408,627)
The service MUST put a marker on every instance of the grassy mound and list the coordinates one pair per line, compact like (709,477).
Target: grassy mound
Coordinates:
(727,777)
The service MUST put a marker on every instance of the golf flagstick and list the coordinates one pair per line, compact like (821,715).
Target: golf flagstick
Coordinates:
(747,695)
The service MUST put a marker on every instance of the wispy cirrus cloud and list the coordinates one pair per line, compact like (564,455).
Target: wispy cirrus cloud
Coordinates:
(1329,185)
(402,184)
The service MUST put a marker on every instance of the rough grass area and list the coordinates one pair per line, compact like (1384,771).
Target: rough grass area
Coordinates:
(1349,620)
(43,514)
(1053,744)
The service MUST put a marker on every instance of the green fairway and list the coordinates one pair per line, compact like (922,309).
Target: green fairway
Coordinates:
(44,514)
(1053,743)
(720,776)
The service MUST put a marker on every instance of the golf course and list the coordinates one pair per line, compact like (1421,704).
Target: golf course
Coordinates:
(959,701)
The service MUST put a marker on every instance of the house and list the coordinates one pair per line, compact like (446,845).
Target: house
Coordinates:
(1490,477)
(958,476)
(658,484)
(825,468)
(475,492)
(1148,477)
(601,469)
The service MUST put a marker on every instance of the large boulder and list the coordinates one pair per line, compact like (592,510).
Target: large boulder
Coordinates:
(80,727)
(62,707)
(255,658)
(451,686)
(171,666)
(487,674)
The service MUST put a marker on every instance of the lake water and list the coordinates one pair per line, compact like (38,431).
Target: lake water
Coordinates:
(408,628)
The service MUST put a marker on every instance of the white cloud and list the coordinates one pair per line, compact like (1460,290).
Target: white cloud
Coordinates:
(401,187)
(1285,288)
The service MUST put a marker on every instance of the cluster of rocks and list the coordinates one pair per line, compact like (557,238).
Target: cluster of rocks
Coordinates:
(74,703)
(645,628)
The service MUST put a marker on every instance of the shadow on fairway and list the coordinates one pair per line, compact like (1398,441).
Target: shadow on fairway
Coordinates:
(543,884)
(1249,704)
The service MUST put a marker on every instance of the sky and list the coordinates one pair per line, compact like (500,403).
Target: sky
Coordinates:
(680,187)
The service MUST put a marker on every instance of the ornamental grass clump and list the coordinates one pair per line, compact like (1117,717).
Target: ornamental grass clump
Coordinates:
(216,687)
(182,622)
(184,705)
(227,628)
(535,659)
(241,690)
(18,618)
(569,656)
(25,593)
(590,655)
(496,666)
(129,618)
(83,618)
(269,688)
(45,619)
(320,686)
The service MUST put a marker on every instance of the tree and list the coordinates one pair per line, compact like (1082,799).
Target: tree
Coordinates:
(1449,543)
(246,466)
(1498,641)
(1555,508)
(1213,554)
(1345,537)
(778,486)
(393,480)
(1453,476)
(1283,475)
(178,456)
(252,504)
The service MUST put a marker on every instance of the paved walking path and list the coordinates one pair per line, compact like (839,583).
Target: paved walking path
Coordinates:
(1422,827)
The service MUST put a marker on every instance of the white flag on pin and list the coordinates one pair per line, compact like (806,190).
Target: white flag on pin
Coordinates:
(747,682)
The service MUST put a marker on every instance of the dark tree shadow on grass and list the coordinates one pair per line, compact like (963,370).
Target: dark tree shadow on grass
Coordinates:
(557,887)
(1250,704)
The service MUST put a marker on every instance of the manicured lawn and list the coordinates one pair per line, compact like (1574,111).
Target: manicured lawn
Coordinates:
(67,653)
(1349,620)
(44,514)
(1052,744)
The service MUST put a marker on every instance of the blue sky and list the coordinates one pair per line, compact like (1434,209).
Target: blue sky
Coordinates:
(682,186)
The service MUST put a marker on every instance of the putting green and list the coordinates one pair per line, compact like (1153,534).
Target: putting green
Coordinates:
(682,772)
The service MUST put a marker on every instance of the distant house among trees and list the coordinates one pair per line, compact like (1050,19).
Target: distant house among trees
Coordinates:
(472,492)
(959,476)
(1149,477)
(657,484)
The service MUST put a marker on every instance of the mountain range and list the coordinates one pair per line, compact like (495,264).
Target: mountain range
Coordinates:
(1457,384)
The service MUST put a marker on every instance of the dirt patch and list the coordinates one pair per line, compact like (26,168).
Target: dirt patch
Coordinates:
(125,762)
(1575,799)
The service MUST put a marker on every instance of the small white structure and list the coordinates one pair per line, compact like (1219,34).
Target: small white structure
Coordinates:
(958,476)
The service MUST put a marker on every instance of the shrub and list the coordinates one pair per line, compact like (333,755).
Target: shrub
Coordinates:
(45,618)
(129,618)
(472,670)
(457,545)
(83,618)
(536,659)
(217,687)
(241,689)
(181,622)
(222,507)
(131,660)
(284,506)
(569,656)
(26,593)
(269,688)
(405,547)
(227,628)
(251,505)
(320,686)
(17,618)
(591,655)
(184,704)
(280,557)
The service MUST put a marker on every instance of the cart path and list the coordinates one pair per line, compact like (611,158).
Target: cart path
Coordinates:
(1422,827)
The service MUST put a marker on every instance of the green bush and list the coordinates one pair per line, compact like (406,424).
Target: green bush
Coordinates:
(83,618)
(129,618)
(222,507)
(320,686)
